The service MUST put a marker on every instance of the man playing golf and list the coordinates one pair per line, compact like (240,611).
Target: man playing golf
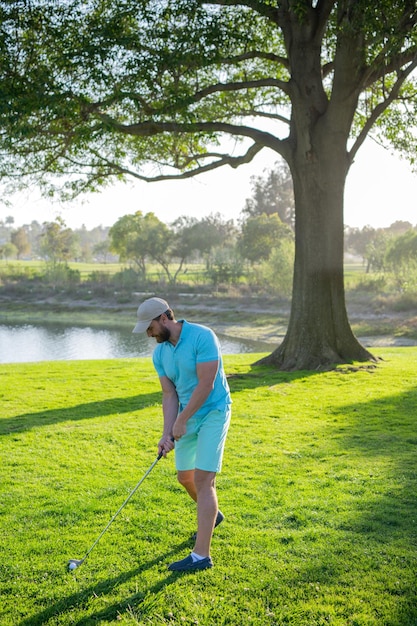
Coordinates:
(196,407)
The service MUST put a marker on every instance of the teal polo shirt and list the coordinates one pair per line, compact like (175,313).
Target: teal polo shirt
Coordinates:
(197,344)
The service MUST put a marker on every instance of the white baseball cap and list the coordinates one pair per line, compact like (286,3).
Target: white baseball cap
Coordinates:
(148,311)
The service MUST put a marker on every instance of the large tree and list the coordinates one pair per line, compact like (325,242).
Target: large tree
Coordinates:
(172,88)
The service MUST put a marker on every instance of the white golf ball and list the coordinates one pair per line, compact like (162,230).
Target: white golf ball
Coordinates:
(72,565)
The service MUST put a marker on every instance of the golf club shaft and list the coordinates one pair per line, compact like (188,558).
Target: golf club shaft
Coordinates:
(124,504)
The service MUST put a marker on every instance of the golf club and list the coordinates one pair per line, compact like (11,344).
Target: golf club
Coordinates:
(74,563)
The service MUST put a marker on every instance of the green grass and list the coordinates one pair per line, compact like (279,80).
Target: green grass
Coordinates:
(196,272)
(39,264)
(318,487)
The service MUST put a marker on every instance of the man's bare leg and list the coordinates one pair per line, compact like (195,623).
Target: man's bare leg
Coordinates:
(186,479)
(206,510)
(200,486)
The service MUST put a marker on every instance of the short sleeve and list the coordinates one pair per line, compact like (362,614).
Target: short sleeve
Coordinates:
(157,363)
(207,348)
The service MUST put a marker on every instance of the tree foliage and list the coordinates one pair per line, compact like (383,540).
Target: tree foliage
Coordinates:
(19,238)
(402,252)
(272,193)
(139,237)
(260,235)
(163,89)
(8,250)
(376,252)
(201,236)
(104,88)
(57,242)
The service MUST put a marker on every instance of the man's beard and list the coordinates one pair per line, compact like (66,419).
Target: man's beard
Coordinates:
(163,335)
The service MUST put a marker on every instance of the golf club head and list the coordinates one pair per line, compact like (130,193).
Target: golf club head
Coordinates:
(74,563)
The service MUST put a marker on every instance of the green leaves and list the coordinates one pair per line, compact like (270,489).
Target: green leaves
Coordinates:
(260,235)
(80,80)
(57,242)
(101,89)
(138,237)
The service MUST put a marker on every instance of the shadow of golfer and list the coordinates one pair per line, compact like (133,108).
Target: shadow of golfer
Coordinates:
(110,612)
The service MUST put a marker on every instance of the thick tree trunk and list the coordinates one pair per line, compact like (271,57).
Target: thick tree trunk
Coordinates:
(319,334)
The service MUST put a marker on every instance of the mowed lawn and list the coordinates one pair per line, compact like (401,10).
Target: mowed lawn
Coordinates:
(319,490)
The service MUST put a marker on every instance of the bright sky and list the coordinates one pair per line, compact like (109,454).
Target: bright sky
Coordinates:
(380,190)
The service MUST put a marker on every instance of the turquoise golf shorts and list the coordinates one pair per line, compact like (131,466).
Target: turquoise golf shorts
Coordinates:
(202,445)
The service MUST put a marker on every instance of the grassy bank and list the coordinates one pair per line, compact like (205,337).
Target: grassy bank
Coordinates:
(318,487)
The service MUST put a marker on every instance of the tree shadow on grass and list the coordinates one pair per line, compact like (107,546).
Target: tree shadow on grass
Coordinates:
(377,526)
(386,428)
(110,613)
(265,376)
(27,421)
(258,376)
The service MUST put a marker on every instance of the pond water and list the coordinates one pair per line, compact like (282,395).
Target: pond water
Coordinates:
(21,343)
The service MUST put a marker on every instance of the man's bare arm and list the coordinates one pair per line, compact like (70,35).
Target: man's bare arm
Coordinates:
(170,412)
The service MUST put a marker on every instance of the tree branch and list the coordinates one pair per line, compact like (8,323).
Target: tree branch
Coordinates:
(263,8)
(249,84)
(323,10)
(381,107)
(93,107)
(224,159)
(378,69)
(264,114)
(152,128)
(256,54)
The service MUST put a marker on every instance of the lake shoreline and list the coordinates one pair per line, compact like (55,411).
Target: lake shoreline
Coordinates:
(260,319)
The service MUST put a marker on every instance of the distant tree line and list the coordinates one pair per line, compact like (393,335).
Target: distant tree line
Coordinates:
(226,250)
(53,241)
(391,249)
(260,241)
